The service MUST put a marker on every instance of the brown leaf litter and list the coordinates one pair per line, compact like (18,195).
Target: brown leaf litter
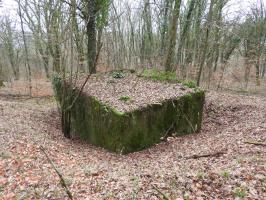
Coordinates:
(139,92)
(163,170)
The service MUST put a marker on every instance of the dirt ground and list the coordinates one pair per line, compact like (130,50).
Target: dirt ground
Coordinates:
(169,170)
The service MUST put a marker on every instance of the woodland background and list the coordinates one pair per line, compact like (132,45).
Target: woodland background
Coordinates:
(205,41)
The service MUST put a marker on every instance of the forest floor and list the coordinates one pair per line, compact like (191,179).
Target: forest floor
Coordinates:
(234,169)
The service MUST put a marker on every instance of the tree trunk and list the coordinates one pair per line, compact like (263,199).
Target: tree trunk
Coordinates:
(257,65)
(164,30)
(46,65)
(205,42)
(197,20)
(222,75)
(247,71)
(263,70)
(147,35)
(25,48)
(172,38)
(78,37)
(11,50)
(65,112)
(184,32)
(91,34)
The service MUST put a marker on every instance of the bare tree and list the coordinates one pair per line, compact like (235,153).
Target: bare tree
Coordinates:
(172,38)
(25,47)
(205,41)
(8,39)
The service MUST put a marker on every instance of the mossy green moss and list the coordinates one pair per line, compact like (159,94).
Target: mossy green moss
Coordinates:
(125,132)
(166,76)
(159,75)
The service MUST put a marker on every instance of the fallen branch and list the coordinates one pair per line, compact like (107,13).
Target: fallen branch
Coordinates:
(167,132)
(216,154)
(255,143)
(159,191)
(80,91)
(62,180)
(86,80)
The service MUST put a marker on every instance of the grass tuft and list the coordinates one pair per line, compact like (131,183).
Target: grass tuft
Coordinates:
(200,175)
(240,192)
(124,98)
(225,174)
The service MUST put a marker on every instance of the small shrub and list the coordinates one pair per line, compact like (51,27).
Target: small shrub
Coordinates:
(200,175)
(225,174)
(124,98)
(56,80)
(190,84)
(118,74)
(240,192)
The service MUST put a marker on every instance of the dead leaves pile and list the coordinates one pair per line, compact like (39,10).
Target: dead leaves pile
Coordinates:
(162,171)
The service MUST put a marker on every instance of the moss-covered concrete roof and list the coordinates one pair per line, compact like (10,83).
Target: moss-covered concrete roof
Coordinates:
(127,91)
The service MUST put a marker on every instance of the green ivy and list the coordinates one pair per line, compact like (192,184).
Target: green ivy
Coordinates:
(118,74)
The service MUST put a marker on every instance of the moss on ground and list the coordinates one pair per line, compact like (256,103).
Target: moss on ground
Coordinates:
(157,75)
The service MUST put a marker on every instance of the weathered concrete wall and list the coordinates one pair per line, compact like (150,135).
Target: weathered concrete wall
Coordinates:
(121,132)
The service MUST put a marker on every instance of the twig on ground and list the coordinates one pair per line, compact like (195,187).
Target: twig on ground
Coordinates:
(159,191)
(62,180)
(255,143)
(80,91)
(216,154)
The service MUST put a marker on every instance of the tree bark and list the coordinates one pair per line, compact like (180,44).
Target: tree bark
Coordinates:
(9,44)
(184,32)
(172,38)
(164,30)
(263,70)
(78,37)
(205,42)
(247,71)
(91,34)
(257,65)
(25,48)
